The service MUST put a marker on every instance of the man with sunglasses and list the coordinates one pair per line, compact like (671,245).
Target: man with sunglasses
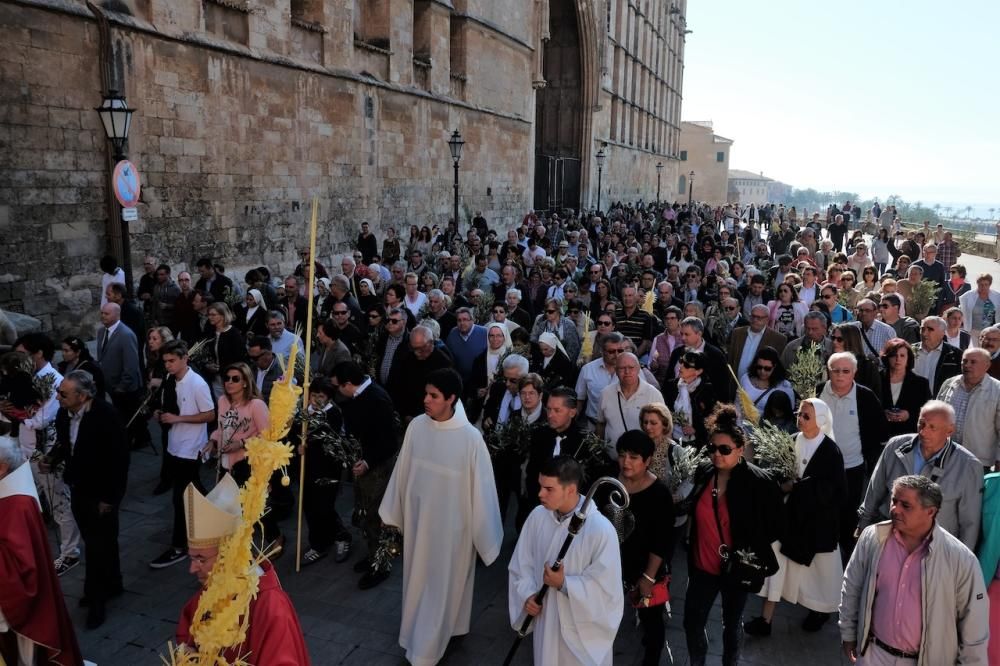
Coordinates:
(393,344)
(746,340)
(932,453)
(906,328)
(874,333)
(935,359)
(600,372)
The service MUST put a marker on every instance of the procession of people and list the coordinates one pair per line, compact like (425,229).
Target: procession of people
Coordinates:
(641,402)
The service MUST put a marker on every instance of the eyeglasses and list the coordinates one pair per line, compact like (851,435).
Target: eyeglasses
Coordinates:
(689,365)
(395,320)
(730,308)
(829,297)
(512,380)
(340,313)
(604,323)
(721,449)
(765,368)
(234,379)
(551,311)
(614,352)
(847,279)
(865,310)
(255,357)
(374,315)
(803,416)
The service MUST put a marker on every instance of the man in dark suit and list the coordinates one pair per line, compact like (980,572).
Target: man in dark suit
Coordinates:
(746,340)
(267,369)
(131,314)
(935,359)
(364,399)
(407,379)
(693,337)
(118,356)
(211,281)
(90,442)
(393,344)
(508,280)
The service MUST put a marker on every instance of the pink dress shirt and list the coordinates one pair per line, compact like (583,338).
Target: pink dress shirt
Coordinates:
(897,616)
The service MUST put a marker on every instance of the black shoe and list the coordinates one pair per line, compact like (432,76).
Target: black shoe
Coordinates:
(161,487)
(341,551)
(169,557)
(361,566)
(95,616)
(372,578)
(757,627)
(114,593)
(815,621)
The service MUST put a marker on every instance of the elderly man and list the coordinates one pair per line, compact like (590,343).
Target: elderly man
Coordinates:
(906,328)
(466,341)
(348,267)
(439,312)
(933,454)
(936,360)
(407,376)
(621,402)
(933,269)
(976,399)
(282,339)
(508,280)
(724,321)
(815,338)
(35,627)
(595,376)
(90,444)
(912,592)
(980,307)
(392,344)
(859,428)
(874,333)
(118,356)
(989,339)
(746,340)
(502,399)
(693,336)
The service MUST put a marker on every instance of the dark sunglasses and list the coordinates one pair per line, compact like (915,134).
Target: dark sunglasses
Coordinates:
(551,311)
(605,323)
(339,312)
(803,416)
(395,321)
(374,315)
(765,368)
(234,379)
(721,449)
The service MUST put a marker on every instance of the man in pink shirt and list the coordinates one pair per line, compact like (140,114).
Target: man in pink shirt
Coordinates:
(906,571)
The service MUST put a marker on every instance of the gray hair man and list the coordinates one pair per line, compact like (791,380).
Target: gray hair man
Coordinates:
(595,376)
(859,429)
(622,401)
(931,453)
(936,360)
(910,581)
(502,400)
(976,399)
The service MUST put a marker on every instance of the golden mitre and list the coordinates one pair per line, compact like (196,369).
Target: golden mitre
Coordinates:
(214,517)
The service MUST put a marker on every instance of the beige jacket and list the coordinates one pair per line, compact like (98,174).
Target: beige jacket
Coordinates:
(955,609)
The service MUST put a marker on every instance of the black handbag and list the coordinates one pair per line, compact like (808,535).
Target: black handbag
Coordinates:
(742,568)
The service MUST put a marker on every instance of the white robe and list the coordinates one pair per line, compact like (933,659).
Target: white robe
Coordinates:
(578,624)
(443,497)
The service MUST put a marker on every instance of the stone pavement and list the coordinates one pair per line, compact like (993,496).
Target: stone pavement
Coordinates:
(344,625)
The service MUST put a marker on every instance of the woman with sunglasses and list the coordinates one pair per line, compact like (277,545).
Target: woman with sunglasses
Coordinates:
(787,312)
(847,338)
(735,513)
(954,287)
(809,566)
(903,391)
(690,396)
(764,376)
(552,321)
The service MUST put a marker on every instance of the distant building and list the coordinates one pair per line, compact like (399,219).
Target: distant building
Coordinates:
(747,187)
(707,154)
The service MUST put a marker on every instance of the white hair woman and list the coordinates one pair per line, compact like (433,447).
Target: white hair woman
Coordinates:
(809,564)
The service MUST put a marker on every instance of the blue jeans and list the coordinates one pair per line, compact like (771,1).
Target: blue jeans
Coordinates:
(702,590)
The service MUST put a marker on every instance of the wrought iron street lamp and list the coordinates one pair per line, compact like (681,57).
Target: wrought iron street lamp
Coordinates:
(455,144)
(117,120)
(659,170)
(690,189)
(600,157)
(116,116)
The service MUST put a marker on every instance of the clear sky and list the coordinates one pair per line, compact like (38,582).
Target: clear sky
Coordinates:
(877,97)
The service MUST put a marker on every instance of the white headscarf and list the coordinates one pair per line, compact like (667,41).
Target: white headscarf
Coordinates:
(371,286)
(258,301)
(552,340)
(805,447)
(493,355)
(326,283)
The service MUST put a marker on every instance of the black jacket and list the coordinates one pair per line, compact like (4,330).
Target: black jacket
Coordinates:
(812,512)
(219,286)
(703,400)
(717,371)
(871,422)
(407,380)
(97,465)
(543,443)
(369,417)
(756,515)
(560,372)
(949,364)
(912,396)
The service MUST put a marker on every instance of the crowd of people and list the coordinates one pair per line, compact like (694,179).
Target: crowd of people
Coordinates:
(643,343)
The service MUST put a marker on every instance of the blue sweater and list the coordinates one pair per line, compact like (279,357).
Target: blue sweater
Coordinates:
(466,351)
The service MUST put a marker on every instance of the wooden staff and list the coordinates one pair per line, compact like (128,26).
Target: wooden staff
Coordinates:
(305,379)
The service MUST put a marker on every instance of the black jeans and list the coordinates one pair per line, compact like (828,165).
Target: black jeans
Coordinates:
(99,531)
(182,472)
(849,510)
(320,511)
(701,592)
(369,488)
(653,634)
(507,475)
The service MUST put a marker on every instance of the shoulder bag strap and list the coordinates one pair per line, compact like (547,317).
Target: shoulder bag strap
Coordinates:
(723,546)
(867,341)
(620,410)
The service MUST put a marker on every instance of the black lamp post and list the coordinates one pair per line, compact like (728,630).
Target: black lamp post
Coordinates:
(455,144)
(690,189)
(116,117)
(659,170)
(600,157)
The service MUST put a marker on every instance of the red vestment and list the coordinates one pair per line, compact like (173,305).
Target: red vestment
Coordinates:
(30,597)
(274,637)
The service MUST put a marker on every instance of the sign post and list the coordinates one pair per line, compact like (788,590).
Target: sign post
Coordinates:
(126,186)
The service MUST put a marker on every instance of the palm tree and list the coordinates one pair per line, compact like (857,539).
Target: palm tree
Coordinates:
(947,211)
(992,210)
(968,212)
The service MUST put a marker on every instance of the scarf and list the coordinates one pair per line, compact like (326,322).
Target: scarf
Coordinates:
(553,341)
(682,405)
(493,356)
(258,299)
